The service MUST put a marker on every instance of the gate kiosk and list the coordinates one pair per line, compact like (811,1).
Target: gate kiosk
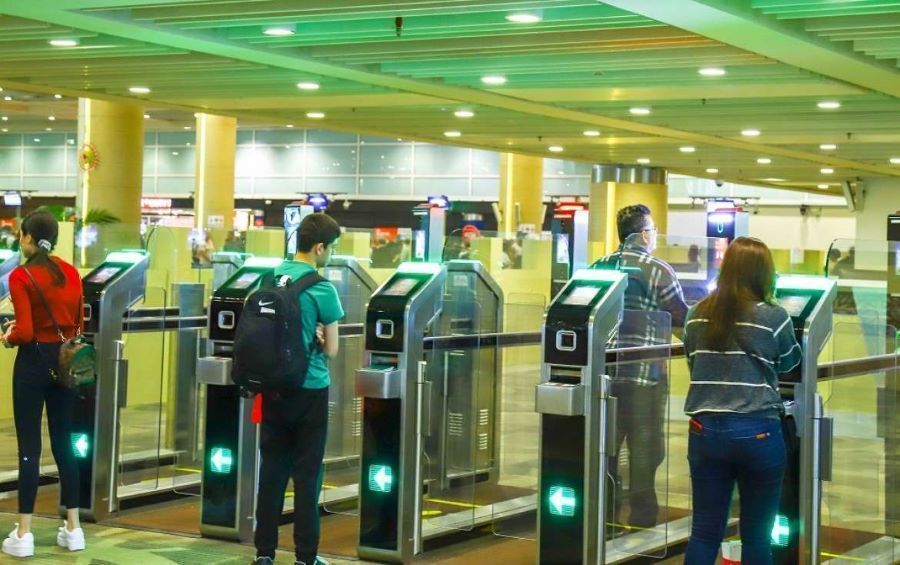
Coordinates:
(229,437)
(795,535)
(576,417)
(391,385)
(109,291)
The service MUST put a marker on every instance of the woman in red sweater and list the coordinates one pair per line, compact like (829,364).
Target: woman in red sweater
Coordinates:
(34,333)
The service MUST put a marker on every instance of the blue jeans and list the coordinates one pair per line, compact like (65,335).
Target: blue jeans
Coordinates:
(724,450)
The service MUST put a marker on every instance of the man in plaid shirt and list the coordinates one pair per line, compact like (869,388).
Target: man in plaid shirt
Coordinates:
(654,305)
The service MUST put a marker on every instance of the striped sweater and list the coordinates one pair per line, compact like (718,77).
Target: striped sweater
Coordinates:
(743,379)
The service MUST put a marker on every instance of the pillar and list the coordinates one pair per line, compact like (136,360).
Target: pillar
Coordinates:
(214,179)
(111,161)
(521,192)
(614,187)
(882,197)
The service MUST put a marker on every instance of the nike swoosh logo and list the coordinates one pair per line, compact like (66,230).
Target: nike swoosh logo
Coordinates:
(261,303)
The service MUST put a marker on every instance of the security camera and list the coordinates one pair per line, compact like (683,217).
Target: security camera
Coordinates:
(719,182)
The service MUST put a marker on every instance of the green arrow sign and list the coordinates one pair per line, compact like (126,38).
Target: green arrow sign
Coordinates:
(562,501)
(220,460)
(380,478)
(781,531)
(80,445)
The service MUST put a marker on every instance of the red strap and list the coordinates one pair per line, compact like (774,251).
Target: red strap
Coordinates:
(256,414)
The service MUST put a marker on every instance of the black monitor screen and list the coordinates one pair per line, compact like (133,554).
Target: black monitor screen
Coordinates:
(243,281)
(100,276)
(581,296)
(400,287)
(794,304)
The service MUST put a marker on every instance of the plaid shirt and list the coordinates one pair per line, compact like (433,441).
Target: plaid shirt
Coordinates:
(654,304)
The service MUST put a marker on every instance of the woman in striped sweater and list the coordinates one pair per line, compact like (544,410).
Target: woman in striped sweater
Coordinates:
(737,342)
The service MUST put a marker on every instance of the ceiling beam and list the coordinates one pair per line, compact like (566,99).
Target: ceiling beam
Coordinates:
(214,45)
(734,25)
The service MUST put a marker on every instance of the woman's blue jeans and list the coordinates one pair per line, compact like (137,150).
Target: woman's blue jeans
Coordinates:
(724,450)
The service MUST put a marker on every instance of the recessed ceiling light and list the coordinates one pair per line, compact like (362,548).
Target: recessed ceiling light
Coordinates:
(139,90)
(895,160)
(63,42)
(186,127)
(288,125)
(643,160)
(764,161)
(51,118)
(146,116)
(282,30)
(37,139)
(1,89)
(58,96)
(48,129)
(4,118)
(712,171)
(4,130)
(823,185)
(452,133)
(828,147)
(464,113)
(308,85)
(174,152)
(712,71)
(639,111)
(523,17)
(315,115)
(826,170)
(555,149)
(750,132)
(591,133)
(70,141)
(687,149)
(829,104)
(8,98)
(493,79)
(773,179)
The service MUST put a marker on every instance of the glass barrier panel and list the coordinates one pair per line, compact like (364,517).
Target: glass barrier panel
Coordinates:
(9,455)
(639,518)
(859,504)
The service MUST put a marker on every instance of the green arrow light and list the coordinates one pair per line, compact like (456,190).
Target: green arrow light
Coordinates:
(781,531)
(381,479)
(220,460)
(562,501)
(80,445)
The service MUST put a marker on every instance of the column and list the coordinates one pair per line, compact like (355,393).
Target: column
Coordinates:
(521,192)
(214,179)
(614,187)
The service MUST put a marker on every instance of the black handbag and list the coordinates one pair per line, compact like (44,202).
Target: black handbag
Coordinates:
(75,364)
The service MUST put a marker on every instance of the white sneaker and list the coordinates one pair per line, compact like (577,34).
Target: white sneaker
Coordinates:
(19,546)
(73,541)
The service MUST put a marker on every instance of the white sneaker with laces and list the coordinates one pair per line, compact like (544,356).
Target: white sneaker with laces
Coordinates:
(73,541)
(19,546)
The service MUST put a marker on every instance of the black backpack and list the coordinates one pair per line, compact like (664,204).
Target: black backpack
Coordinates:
(269,353)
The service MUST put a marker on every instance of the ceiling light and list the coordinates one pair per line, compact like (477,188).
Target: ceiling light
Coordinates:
(643,160)
(279,30)
(523,18)
(8,98)
(4,118)
(1,89)
(37,139)
(186,127)
(639,111)
(64,42)
(493,79)
(712,171)
(895,160)
(828,147)
(464,113)
(826,170)
(48,129)
(58,96)
(174,152)
(687,149)
(452,133)
(315,115)
(712,71)
(288,125)
(51,118)
(764,161)
(773,179)
(4,130)
(555,149)
(139,90)
(146,116)
(829,105)
(750,132)
(591,133)
(308,85)
(822,186)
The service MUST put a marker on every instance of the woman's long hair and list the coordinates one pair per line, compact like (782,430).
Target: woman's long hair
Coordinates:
(44,231)
(747,277)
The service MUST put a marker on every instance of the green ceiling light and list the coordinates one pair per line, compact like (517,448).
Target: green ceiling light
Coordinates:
(687,149)
(464,113)
(556,149)
(452,133)
(524,17)
(750,132)
(764,161)
(639,111)
(895,160)
(139,90)
(5,118)
(493,80)
(823,186)
(315,115)
(643,160)
(281,30)
(712,171)
(591,133)
(308,85)
(829,105)
(712,71)
(64,42)
(826,170)
(828,147)
(58,96)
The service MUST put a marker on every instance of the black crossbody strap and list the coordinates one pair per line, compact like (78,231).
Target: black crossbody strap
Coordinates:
(40,294)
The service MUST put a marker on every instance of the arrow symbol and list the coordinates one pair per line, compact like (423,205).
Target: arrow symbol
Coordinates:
(221,460)
(383,478)
(563,501)
(81,445)
(380,478)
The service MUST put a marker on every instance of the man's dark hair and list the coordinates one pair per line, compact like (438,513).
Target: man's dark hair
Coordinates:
(317,228)
(631,220)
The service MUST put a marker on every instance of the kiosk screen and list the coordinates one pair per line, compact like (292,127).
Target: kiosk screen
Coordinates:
(401,287)
(243,281)
(103,275)
(794,304)
(581,296)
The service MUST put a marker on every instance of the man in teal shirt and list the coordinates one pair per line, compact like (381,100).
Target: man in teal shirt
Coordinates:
(295,423)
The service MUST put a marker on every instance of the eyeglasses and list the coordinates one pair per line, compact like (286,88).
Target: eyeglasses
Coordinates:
(653,229)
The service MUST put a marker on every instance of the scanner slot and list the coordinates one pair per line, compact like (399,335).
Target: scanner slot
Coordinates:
(565,375)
